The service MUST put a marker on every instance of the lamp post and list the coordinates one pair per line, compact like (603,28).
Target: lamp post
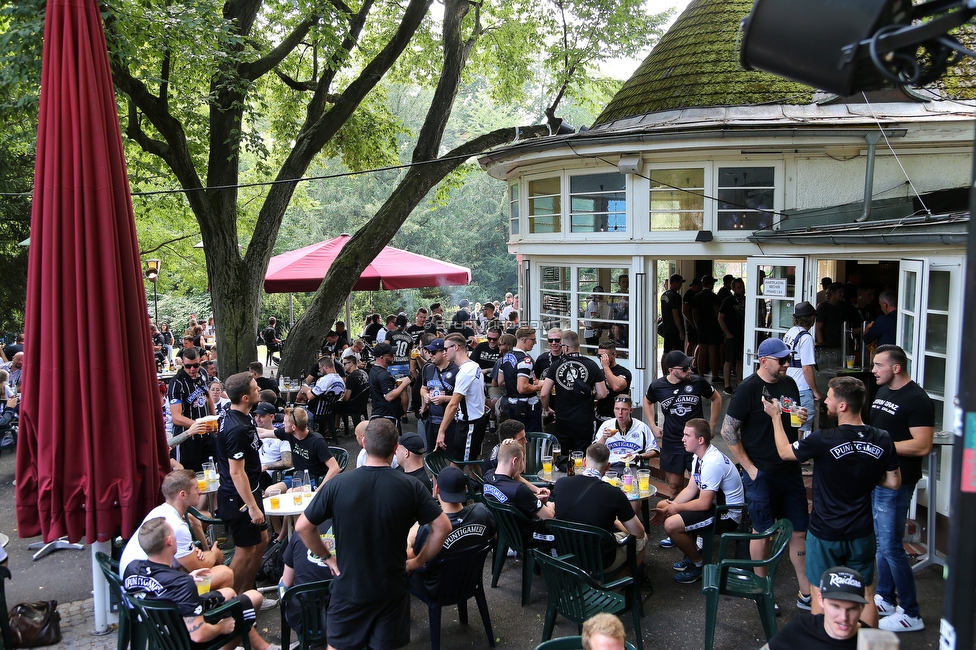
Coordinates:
(152,274)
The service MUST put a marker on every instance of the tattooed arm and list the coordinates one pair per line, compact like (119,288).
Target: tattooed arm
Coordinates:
(201,631)
(730,432)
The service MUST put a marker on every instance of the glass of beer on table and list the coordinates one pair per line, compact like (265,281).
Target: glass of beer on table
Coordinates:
(578,460)
(202,481)
(274,495)
(547,466)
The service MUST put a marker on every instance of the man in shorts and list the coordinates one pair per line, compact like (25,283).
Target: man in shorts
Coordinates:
(158,579)
(849,462)
(467,405)
(774,487)
(682,396)
(239,502)
(715,480)
(372,510)
(672,323)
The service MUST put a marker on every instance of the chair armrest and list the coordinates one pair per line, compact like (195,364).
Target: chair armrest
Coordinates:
(728,538)
(193,512)
(619,582)
(711,578)
(232,607)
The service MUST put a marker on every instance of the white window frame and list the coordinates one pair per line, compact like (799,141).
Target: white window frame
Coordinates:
(601,236)
(526,218)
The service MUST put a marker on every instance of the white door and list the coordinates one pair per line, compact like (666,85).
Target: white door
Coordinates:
(773,286)
(911,273)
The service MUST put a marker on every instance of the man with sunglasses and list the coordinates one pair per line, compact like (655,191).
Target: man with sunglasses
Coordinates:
(188,402)
(467,405)
(486,353)
(774,487)
(575,379)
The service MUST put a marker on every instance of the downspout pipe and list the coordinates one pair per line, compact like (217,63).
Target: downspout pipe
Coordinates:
(872,140)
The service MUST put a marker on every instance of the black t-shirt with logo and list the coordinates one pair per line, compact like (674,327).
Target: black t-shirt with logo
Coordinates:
(849,462)
(807,632)
(575,377)
(415,331)
(310,453)
(515,364)
(604,407)
(439,382)
(161,582)
(757,429)
(899,411)
(237,439)
(485,356)
(679,402)
(380,383)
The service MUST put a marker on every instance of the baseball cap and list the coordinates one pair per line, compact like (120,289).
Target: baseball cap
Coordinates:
(462,316)
(435,346)
(464,303)
(452,485)
(677,358)
(401,320)
(265,408)
(382,348)
(804,309)
(709,279)
(842,583)
(412,442)
(676,278)
(696,282)
(773,348)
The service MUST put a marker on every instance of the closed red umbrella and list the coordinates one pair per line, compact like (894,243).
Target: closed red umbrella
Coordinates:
(92,448)
(302,270)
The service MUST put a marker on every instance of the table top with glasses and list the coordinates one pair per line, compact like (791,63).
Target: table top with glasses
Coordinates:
(551,479)
(287,506)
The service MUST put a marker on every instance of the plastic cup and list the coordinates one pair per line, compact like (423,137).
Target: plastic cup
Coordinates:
(557,449)
(210,422)
(203,583)
(297,497)
(201,481)
(850,361)
(644,481)
(578,459)
(612,478)
(547,466)
(795,418)
(275,497)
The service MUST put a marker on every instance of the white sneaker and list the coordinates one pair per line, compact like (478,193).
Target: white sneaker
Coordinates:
(269,603)
(884,607)
(901,622)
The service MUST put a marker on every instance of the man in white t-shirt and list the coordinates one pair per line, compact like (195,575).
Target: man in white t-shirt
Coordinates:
(467,403)
(714,480)
(180,489)
(803,368)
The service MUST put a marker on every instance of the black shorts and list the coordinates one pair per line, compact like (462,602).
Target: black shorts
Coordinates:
(710,336)
(696,521)
(383,624)
(676,463)
(467,438)
(691,334)
(673,342)
(733,349)
(239,521)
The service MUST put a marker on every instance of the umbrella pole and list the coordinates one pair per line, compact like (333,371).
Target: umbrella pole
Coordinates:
(100,590)
(291,311)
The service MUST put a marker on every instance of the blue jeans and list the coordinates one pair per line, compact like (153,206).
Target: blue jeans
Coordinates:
(894,571)
(807,402)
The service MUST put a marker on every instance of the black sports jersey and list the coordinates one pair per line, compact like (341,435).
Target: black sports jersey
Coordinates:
(380,383)
(670,303)
(704,304)
(849,462)
(514,364)
(734,310)
(679,402)
(575,377)
(310,453)
(439,382)
(237,439)
(162,582)
(898,411)
(402,343)
(191,395)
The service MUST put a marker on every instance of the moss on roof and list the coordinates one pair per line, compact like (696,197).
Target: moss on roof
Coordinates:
(696,63)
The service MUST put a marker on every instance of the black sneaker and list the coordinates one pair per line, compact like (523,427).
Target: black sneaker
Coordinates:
(682,565)
(728,390)
(689,575)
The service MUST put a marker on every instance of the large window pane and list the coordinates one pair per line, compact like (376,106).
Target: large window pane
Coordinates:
(545,206)
(513,208)
(598,203)
(557,297)
(603,301)
(745,198)
(939,290)
(677,199)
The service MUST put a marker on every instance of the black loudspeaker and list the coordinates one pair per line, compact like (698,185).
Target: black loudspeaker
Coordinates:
(816,42)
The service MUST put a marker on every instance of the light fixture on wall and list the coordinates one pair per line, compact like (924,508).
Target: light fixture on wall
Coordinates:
(629,164)
(704,236)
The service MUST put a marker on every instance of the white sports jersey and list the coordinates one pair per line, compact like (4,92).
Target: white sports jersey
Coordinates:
(638,439)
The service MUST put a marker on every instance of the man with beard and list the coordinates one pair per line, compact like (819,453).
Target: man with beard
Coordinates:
(575,378)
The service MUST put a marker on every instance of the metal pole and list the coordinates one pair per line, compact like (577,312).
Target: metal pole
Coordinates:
(957,624)
(155,304)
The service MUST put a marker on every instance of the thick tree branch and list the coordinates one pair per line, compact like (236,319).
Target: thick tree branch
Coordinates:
(295,84)
(165,243)
(356,23)
(256,69)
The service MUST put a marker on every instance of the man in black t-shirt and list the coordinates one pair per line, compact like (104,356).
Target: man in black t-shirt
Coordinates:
(704,307)
(774,487)
(903,409)
(372,510)
(615,376)
(485,354)
(587,499)
(239,503)
(356,395)
(522,385)
(436,390)
(842,598)
(672,323)
(681,396)
(503,485)
(691,334)
(732,319)
(849,462)
(309,450)
(188,402)
(410,458)
(384,391)
(256,368)
(575,378)
(417,328)
(301,568)
(155,578)
(471,526)
(832,315)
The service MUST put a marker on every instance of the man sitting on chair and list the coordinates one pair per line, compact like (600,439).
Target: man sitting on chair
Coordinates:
(157,579)
(604,632)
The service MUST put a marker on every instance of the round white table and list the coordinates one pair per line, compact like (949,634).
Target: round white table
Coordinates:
(287,508)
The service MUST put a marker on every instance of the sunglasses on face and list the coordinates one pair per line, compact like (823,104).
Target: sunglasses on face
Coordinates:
(683,368)
(191,365)
(493,338)
(555,340)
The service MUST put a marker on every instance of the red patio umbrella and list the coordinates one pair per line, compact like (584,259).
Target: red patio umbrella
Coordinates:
(92,448)
(302,270)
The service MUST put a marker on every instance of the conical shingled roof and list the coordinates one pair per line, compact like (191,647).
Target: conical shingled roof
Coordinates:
(696,63)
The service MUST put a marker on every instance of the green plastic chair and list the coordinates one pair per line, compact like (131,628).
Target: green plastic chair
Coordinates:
(314,600)
(341,456)
(570,643)
(163,625)
(537,445)
(708,541)
(510,521)
(586,545)
(736,578)
(577,596)
(435,461)
(128,635)
(5,634)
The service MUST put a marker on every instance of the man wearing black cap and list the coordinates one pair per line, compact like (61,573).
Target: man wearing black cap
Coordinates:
(672,324)
(461,324)
(841,598)
(383,389)
(471,526)
(803,365)
(403,365)
(682,396)
(410,456)
(705,307)
(436,389)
